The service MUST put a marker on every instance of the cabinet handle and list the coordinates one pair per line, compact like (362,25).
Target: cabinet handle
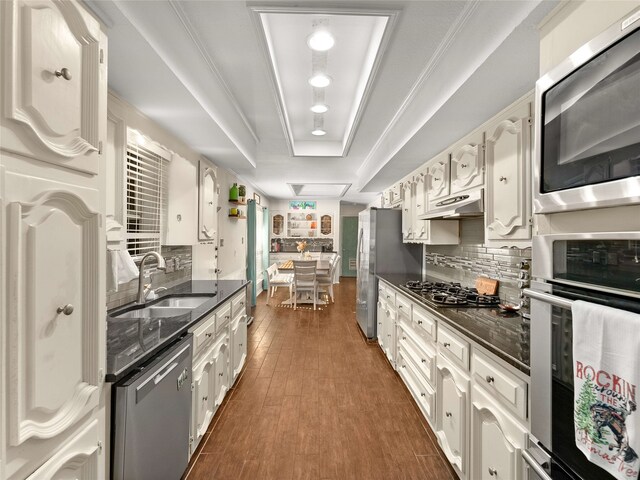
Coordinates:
(503,179)
(489,379)
(227,317)
(208,335)
(419,322)
(423,394)
(64,73)
(399,306)
(493,472)
(463,165)
(436,179)
(404,338)
(418,205)
(239,344)
(404,366)
(448,414)
(66,309)
(446,344)
(423,360)
(204,399)
(220,374)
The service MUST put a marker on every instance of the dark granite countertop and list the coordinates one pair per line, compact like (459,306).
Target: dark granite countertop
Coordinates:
(310,251)
(132,341)
(504,334)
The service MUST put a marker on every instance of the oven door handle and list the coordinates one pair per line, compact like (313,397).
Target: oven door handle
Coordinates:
(548,298)
(533,463)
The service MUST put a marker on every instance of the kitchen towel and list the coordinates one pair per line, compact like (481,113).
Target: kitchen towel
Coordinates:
(127,269)
(606,355)
(112,271)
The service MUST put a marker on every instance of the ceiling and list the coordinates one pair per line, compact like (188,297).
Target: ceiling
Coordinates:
(208,71)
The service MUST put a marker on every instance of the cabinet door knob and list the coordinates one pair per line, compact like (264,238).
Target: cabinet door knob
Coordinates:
(239,344)
(446,344)
(66,309)
(448,414)
(419,322)
(423,394)
(463,165)
(493,472)
(220,374)
(489,379)
(404,338)
(208,335)
(503,179)
(436,179)
(423,360)
(204,399)
(64,73)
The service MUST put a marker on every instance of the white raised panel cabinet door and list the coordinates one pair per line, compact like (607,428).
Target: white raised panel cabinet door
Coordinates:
(239,342)
(221,368)
(55,354)
(407,211)
(380,315)
(451,414)
(438,180)
(182,203)
(420,227)
(467,164)
(80,458)
(55,83)
(208,202)
(508,199)
(202,399)
(497,441)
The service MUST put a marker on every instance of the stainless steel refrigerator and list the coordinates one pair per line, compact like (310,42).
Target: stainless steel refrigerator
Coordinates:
(380,250)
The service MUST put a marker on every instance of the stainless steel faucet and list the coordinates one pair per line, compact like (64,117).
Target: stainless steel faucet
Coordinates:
(142,291)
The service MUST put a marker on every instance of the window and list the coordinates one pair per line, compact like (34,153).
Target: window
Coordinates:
(146,183)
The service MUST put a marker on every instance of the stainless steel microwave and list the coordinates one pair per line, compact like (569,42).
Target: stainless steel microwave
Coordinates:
(587,124)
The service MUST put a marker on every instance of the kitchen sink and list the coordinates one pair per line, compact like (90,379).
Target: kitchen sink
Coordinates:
(181,302)
(155,312)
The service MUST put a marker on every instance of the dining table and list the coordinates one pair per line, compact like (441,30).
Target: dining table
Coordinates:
(323,268)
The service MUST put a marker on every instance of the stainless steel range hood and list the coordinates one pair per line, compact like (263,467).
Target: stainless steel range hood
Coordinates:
(470,204)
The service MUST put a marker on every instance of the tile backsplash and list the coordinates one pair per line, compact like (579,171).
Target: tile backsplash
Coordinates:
(127,292)
(465,262)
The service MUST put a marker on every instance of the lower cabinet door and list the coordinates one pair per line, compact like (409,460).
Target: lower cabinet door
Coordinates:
(239,343)
(497,441)
(202,399)
(221,370)
(81,458)
(452,392)
(381,316)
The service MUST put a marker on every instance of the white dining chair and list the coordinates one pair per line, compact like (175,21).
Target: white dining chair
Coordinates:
(327,279)
(276,279)
(304,280)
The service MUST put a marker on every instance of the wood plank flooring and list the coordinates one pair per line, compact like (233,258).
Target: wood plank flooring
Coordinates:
(315,401)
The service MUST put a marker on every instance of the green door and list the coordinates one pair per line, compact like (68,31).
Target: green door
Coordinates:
(349,246)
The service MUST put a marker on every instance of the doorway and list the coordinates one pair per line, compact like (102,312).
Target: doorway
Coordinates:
(349,246)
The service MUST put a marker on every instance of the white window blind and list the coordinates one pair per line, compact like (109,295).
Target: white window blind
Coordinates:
(146,197)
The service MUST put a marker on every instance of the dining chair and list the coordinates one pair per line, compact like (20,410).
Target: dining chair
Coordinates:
(304,280)
(276,279)
(327,279)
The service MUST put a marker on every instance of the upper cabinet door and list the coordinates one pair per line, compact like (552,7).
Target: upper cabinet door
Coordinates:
(57,310)
(55,75)
(326,225)
(182,202)
(277,224)
(420,197)
(407,210)
(467,164)
(208,211)
(508,167)
(438,181)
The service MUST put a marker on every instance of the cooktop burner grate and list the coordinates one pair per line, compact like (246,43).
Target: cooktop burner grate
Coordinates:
(451,294)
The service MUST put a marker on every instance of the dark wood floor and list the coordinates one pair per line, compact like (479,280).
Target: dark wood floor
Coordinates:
(316,401)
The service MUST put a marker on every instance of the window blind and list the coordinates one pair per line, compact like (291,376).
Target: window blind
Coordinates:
(146,199)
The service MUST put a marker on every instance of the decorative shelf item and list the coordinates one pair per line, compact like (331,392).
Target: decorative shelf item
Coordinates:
(237,202)
(242,194)
(234,193)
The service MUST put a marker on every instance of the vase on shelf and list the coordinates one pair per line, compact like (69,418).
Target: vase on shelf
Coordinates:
(233,193)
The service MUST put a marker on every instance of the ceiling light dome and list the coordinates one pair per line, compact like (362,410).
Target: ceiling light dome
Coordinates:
(319,108)
(320,41)
(320,80)
(318,132)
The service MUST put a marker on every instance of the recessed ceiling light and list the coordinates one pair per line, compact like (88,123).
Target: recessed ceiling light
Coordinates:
(319,108)
(320,41)
(320,80)
(318,132)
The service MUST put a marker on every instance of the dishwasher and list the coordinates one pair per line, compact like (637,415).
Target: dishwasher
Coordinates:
(152,412)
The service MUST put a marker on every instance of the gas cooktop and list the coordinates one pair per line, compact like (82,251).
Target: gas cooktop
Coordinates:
(450,294)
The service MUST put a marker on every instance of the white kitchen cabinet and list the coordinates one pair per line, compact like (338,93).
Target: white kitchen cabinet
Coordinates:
(452,396)
(208,190)
(56,83)
(407,211)
(497,441)
(438,181)
(467,163)
(397,194)
(182,204)
(238,345)
(421,391)
(278,225)
(386,198)
(420,193)
(221,368)
(508,193)
(380,314)
(202,398)
(326,225)
(55,325)
(80,458)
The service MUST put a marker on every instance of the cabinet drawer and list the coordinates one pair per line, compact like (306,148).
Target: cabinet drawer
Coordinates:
(506,387)
(421,353)
(390,296)
(420,390)
(424,322)
(238,303)
(454,347)
(203,334)
(223,316)
(404,305)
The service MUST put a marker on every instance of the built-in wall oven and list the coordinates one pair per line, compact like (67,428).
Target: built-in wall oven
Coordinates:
(587,125)
(600,268)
